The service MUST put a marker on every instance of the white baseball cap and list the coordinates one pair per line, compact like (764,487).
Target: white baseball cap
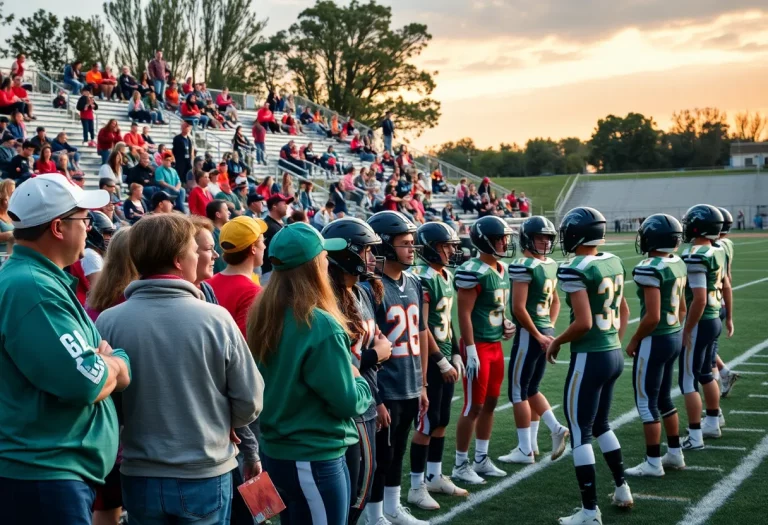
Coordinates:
(46,197)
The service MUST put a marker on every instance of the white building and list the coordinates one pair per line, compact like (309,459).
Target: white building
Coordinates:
(749,154)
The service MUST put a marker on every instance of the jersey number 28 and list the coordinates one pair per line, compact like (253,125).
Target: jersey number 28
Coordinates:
(406,324)
(613,290)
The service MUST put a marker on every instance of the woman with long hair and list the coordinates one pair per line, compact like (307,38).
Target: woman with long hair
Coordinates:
(106,139)
(45,164)
(299,337)
(265,187)
(347,269)
(113,169)
(6,224)
(137,110)
(117,274)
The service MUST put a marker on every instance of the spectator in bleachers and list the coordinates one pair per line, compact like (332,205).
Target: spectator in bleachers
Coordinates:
(109,84)
(206,256)
(190,112)
(6,224)
(106,139)
(265,187)
(324,217)
(143,174)
(158,73)
(486,206)
(62,166)
(512,199)
(6,137)
(110,187)
(134,140)
(485,187)
(286,189)
(307,153)
(272,99)
(145,85)
(388,130)
(277,209)
(240,143)
(217,211)
(388,160)
(349,128)
(308,120)
(17,67)
(200,195)
(188,87)
(226,194)
(172,96)
(524,204)
(236,166)
(330,161)
(210,399)
(404,159)
(157,158)
(161,202)
(438,182)
(137,110)
(86,106)
(224,174)
(335,130)
(289,124)
(339,202)
(22,95)
(415,206)
(461,190)
(94,79)
(167,178)
(155,108)
(368,153)
(20,167)
(118,272)
(134,207)
(471,201)
(255,204)
(259,133)
(197,168)
(306,200)
(148,140)
(60,101)
(347,182)
(356,145)
(60,144)
(9,102)
(226,105)
(72,77)
(266,118)
(113,169)
(298,216)
(184,149)
(289,105)
(45,163)
(391,199)
(205,96)
(449,217)
(127,83)
(40,140)
(214,182)
(289,156)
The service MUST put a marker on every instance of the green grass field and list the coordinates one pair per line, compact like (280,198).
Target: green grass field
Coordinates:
(542,492)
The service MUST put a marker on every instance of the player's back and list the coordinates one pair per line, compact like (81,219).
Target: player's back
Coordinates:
(668,274)
(541,276)
(602,276)
(439,292)
(492,286)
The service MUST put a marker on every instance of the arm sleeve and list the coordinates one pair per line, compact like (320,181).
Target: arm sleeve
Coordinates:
(245,386)
(249,445)
(697,280)
(571,280)
(62,363)
(695,263)
(92,263)
(519,273)
(327,371)
(466,280)
(646,276)
(422,321)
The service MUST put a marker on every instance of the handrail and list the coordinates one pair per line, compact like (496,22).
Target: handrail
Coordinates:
(39,74)
(559,207)
(562,190)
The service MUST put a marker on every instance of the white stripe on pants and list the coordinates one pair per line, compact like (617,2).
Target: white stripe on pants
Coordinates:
(572,397)
(689,374)
(641,396)
(311,493)
(519,364)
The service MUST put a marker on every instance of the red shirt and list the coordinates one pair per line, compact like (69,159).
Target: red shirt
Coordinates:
(134,139)
(45,167)
(389,203)
(106,139)
(524,206)
(264,191)
(189,110)
(236,293)
(259,136)
(187,88)
(198,200)
(83,286)
(6,97)
(265,115)
(19,92)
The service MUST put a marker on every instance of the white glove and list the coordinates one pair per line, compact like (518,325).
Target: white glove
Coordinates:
(473,362)
(509,329)
(444,366)
(458,364)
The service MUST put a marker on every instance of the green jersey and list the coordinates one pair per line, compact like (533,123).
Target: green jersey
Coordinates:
(492,286)
(668,274)
(706,267)
(439,294)
(602,276)
(541,276)
(727,246)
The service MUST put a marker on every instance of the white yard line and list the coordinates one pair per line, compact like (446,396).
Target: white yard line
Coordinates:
(755,364)
(480,497)
(751,373)
(761,396)
(653,497)
(762,356)
(765,383)
(755,430)
(750,412)
(725,447)
(697,468)
(739,287)
(701,511)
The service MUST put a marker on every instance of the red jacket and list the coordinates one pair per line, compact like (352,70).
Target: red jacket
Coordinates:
(6,97)
(107,139)
(264,191)
(259,136)
(198,200)
(265,115)
(45,167)
(189,110)
(19,92)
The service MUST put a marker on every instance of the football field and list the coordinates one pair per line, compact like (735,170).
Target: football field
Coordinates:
(725,483)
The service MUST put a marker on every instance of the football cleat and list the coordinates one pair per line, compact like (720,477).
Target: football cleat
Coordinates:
(559,440)
(381,521)
(517,456)
(645,469)
(720,418)
(581,518)
(421,498)
(673,461)
(487,468)
(403,516)
(622,497)
(711,431)
(443,485)
(535,447)
(726,382)
(465,473)
(688,443)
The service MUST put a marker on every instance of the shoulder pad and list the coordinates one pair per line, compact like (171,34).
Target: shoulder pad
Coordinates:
(565,273)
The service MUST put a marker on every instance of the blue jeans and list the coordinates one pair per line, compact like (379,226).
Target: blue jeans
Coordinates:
(179,197)
(313,492)
(388,143)
(156,115)
(87,130)
(104,154)
(157,501)
(45,502)
(260,149)
(159,86)
(74,85)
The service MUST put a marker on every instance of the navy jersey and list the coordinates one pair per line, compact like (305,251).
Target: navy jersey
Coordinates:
(364,344)
(399,319)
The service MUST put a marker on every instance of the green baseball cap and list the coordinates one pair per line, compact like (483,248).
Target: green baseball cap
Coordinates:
(299,243)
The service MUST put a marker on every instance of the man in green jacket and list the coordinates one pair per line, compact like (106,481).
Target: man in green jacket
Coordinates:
(58,424)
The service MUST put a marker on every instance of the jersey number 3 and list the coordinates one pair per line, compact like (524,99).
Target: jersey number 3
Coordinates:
(614,289)
(406,324)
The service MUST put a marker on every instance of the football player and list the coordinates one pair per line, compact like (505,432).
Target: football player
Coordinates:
(441,248)
(707,276)
(658,340)
(594,284)
(401,381)
(727,378)
(347,268)
(483,295)
(535,307)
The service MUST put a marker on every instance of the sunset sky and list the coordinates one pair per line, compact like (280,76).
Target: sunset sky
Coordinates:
(510,70)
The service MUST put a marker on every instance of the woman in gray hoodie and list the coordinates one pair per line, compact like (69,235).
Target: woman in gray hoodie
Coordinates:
(194,381)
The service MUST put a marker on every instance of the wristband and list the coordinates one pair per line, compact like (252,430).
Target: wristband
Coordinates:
(444,366)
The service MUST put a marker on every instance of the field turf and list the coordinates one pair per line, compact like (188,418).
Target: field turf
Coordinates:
(541,493)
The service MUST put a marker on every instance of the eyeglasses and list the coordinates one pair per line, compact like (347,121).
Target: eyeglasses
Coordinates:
(88,221)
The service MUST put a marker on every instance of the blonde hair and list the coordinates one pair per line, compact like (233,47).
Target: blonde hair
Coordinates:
(201,223)
(7,188)
(301,289)
(157,240)
(117,274)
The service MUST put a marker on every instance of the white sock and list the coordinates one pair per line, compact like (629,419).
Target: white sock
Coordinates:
(417,479)
(695,434)
(590,513)
(481,449)
(725,372)
(534,435)
(391,500)
(656,462)
(524,440)
(434,470)
(461,457)
(711,421)
(375,510)
(550,420)
(675,451)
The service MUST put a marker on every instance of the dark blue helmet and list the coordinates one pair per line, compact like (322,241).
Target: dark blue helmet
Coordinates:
(659,233)
(359,235)
(537,225)
(431,234)
(485,232)
(702,220)
(388,225)
(581,226)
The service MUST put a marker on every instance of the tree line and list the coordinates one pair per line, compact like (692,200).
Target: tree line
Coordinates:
(347,57)
(698,138)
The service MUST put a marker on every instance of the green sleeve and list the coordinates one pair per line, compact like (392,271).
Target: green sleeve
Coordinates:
(60,361)
(327,370)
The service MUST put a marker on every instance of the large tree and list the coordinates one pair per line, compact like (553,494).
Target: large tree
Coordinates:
(88,40)
(40,38)
(237,30)
(266,70)
(626,144)
(543,157)
(749,128)
(352,60)
(165,28)
(127,21)
(5,21)
(698,138)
